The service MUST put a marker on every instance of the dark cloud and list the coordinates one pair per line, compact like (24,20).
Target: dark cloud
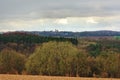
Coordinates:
(74,15)
(58,8)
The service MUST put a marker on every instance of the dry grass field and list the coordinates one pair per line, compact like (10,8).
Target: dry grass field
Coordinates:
(30,77)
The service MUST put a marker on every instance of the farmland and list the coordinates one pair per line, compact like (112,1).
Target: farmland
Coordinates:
(30,77)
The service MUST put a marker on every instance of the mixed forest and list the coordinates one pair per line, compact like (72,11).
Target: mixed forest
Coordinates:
(26,53)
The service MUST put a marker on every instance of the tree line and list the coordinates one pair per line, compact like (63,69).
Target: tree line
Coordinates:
(60,59)
(24,42)
(29,38)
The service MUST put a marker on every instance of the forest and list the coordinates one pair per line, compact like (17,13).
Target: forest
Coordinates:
(24,53)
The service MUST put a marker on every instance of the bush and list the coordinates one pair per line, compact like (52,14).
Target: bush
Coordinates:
(108,65)
(11,61)
(53,58)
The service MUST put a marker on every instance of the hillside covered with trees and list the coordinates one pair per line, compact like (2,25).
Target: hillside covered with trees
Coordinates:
(77,34)
(26,42)
(23,53)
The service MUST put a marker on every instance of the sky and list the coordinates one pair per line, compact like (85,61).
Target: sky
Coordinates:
(63,15)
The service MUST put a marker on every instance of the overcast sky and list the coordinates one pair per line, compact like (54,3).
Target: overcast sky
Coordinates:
(64,15)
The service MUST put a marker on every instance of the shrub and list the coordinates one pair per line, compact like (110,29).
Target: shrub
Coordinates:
(11,61)
(53,58)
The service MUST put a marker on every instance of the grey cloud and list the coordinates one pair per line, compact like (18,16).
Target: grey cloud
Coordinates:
(57,8)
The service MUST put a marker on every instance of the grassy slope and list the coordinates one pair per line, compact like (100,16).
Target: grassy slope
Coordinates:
(29,77)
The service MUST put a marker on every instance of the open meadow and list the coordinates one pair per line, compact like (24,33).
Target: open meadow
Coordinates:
(30,77)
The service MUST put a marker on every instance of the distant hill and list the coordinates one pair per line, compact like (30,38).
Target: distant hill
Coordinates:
(26,42)
(100,33)
(77,34)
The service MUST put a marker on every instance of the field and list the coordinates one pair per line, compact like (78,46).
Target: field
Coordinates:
(30,77)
